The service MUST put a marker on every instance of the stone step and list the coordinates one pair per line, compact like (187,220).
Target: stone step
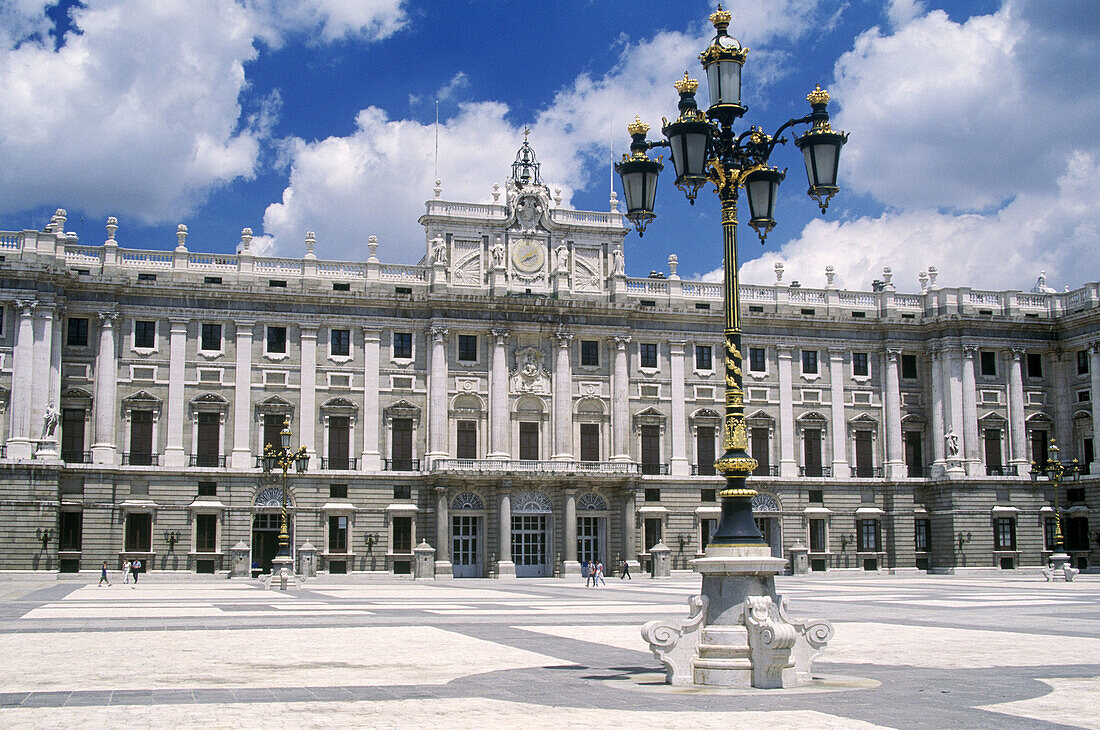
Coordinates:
(722,651)
(726,635)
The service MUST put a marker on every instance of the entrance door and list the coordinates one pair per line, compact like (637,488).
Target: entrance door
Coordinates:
(530,546)
(589,544)
(914,461)
(864,455)
(265,539)
(465,539)
(769,528)
(812,452)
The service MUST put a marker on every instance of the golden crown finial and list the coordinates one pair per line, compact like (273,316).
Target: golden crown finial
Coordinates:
(637,126)
(818,95)
(686,84)
(721,18)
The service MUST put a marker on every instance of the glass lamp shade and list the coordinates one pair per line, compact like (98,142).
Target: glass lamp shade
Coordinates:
(269,462)
(762,188)
(689,140)
(302,462)
(284,437)
(639,178)
(821,149)
(724,82)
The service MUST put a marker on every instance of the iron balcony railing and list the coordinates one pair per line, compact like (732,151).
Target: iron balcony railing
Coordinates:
(347,463)
(524,466)
(76,457)
(815,471)
(132,459)
(206,460)
(867,472)
(1002,471)
(654,469)
(766,470)
(401,464)
(703,470)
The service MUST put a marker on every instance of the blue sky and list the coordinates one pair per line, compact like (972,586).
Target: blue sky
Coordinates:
(972,148)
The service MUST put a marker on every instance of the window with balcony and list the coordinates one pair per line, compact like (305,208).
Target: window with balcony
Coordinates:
(1039,444)
(72,435)
(865,459)
(141,438)
(651,449)
(528,441)
(590,442)
(704,450)
(339,442)
(993,463)
(466,444)
(590,353)
(145,334)
(758,441)
(208,451)
(401,444)
(811,452)
(914,458)
(273,426)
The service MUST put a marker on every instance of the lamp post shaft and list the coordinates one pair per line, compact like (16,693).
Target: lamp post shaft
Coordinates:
(284,535)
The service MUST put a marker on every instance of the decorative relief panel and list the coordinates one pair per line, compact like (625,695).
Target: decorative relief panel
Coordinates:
(467,257)
(530,374)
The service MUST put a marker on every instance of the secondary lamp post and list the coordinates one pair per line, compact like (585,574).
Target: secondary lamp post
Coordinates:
(705,148)
(1056,470)
(282,456)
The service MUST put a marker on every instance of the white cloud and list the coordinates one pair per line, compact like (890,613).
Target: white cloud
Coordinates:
(371,20)
(984,157)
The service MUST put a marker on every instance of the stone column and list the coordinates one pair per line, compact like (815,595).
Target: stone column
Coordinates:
(437,400)
(679,466)
(953,370)
(372,455)
(505,567)
(937,408)
(174,454)
(442,534)
(563,399)
(55,366)
(620,402)
(570,565)
(104,450)
(1094,377)
(788,467)
(840,425)
(307,428)
(630,539)
(970,413)
(498,398)
(19,438)
(1017,429)
(40,390)
(891,386)
(242,399)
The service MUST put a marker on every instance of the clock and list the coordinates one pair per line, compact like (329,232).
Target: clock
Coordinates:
(528,255)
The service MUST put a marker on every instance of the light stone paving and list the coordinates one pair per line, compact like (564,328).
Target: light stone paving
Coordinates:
(1063,704)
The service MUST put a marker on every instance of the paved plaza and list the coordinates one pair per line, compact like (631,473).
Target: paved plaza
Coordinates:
(946,652)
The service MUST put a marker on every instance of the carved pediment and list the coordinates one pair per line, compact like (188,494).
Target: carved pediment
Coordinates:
(275,405)
(209,402)
(402,409)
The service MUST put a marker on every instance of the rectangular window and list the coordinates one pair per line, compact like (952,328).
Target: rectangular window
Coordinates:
(989,362)
(273,426)
(1005,538)
(652,494)
(865,466)
(141,438)
(704,450)
(651,449)
(77,334)
(72,435)
(402,491)
(467,348)
(703,357)
(402,535)
(209,448)
(1034,365)
(590,353)
(1048,533)
(340,342)
(338,491)
(859,364)
(206,533)
(590,442)
(909,367)
(868,536)
(70,531)
(402,345)
(811,452)
(816,496)
(922,534)
(337,534)
(145,334)
(466,446)
(708,495)
(339,442)
(652,532)
(211,337)
(993,449)
(914,459)
(817,536)
(809,362)
(139,532)
(757,359)
(1082,362)
(706,528)
(528,441)
(1039,448)
(648,354)
(208,489)
(758,438)
(401,446)
(276,340)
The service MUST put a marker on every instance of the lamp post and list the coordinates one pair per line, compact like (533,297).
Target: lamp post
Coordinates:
(738,570)
(283,457)
(1056,470)
(705,148)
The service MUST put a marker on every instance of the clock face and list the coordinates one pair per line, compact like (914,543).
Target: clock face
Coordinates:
(528,256)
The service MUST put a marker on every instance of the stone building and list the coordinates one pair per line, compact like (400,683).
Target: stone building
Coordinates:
(521,404)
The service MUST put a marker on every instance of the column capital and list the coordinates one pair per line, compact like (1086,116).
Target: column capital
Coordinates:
(784,352)
(500,334)
(440,491)
(936,353)
(677,344)
(1094,348)
(107,318)
(1018,353)
(621,341)
(26,307)
(893,353)
(563,337)
(836,353)
(438,332)
(177,324)
(969,351)
(372,334)
(308,330)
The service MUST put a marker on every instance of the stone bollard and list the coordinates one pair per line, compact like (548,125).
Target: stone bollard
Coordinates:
(662,560)
(800,559)
(238,556)
(1070,572)
(424,562)
(307,560)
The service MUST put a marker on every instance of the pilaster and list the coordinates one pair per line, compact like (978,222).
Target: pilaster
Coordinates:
(505,567)
(563,398)
(937,409)
(442,534)
(836,411)
(104,449)
(498,397)
(788,467)
(308,426)
(19,441)
(970,412)
(895,461)
(437,401)
(620,402)
(1094,379)
(372,455)
(242,397)
(1017,430)
(679,465)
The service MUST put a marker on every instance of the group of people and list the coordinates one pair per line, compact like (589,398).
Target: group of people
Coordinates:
(592,570)
(130,569)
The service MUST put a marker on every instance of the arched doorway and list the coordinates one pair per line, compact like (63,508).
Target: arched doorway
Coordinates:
(266,520)
(467,518)
(770,525)
(531,534)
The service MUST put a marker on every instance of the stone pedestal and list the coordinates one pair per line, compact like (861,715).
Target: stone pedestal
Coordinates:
(238,561)
(282,574)
(800,559)
(506,569)
(47,450)
(662,560)
(424,562)
(307,560)
(955,469)
(738,633)
(570,568)
(1059,561)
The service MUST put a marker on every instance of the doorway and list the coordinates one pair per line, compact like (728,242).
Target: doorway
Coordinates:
(265,540)
(530,542)
(466,546)
(590,539)
(773,534)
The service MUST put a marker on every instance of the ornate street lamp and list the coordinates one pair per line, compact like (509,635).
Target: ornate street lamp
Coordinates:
(284,458)
(704,148)
(1056,470)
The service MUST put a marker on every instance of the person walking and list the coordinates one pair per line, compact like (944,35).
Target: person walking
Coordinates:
(599,574)
(135,568)
(126,566)
(103,575)
(626,571)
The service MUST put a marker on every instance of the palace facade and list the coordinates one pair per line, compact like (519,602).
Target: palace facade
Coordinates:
(520,404)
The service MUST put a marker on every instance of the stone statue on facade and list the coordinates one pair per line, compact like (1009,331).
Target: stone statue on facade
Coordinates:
(497,252)
(952,440)
(562,254)
(50,420)
(439,251)
(618,268)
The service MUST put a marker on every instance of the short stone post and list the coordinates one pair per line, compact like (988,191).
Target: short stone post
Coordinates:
(424,563)
(661,556)
(800,559)
(238,558)
(307,560)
